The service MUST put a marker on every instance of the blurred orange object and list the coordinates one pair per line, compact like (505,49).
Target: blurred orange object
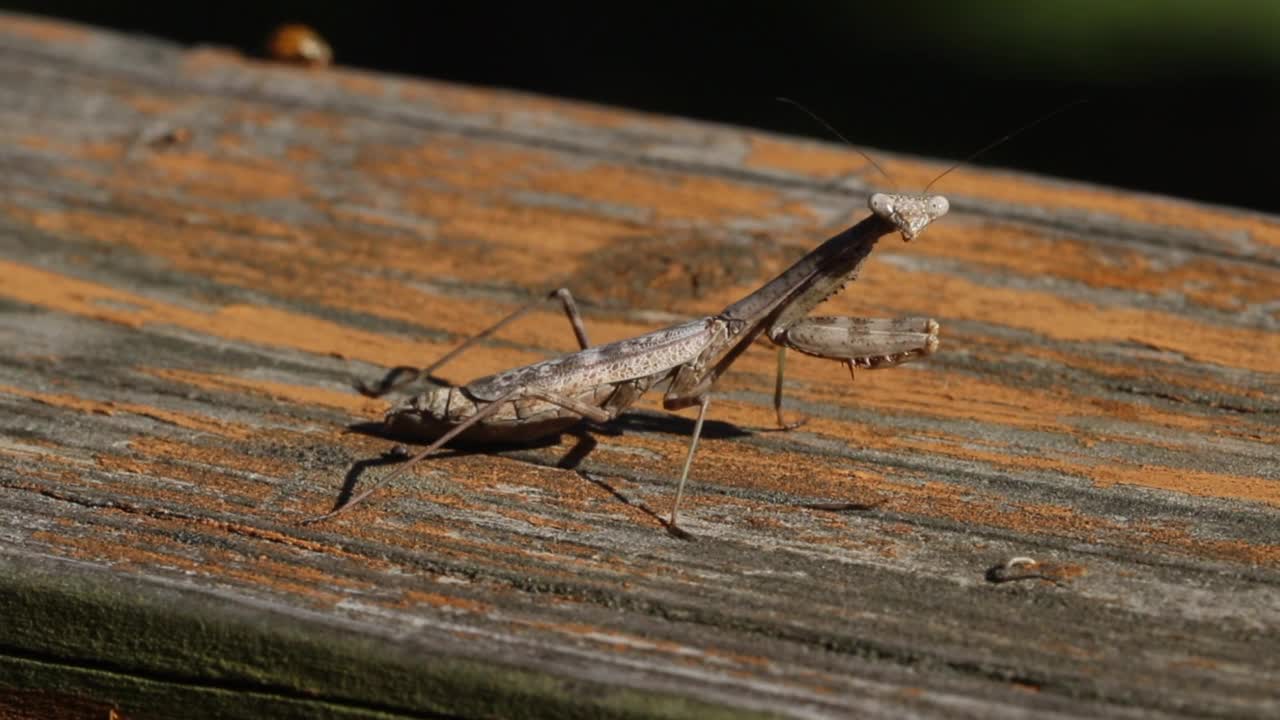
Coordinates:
(299,44)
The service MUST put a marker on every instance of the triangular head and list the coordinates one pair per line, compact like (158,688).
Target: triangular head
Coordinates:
(911,214)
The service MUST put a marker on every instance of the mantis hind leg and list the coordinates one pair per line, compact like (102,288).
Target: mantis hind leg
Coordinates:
(403,375)
(568,403)
(439,442)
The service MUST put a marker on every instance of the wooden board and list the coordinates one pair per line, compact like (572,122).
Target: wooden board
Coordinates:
(198,251)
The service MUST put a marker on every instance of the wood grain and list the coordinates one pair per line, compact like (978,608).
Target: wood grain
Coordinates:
(198,251)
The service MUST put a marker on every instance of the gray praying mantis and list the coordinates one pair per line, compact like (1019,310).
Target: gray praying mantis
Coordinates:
(598,383)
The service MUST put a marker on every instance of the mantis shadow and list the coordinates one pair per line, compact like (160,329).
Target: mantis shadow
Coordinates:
(668,424)
(674,530)
(400,453)
(586,442)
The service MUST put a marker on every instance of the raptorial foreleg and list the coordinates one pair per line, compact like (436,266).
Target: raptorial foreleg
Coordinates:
(869,343)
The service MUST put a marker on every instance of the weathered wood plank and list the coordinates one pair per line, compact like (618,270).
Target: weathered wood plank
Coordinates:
(196,250)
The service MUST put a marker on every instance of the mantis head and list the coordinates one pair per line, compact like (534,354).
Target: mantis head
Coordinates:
(911,214)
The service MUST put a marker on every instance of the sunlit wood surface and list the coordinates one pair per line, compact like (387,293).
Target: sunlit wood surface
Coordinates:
(199,250)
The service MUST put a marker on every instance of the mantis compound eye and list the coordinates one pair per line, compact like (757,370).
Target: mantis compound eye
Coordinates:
(881,204)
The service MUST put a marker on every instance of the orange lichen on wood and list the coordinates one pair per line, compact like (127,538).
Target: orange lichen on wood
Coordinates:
(111,407)
(500,106)
(1021,252)
(266,326)
(226,489)
(297,394)
(1189,482)
(413,598)
(1057,318)
(667,198)
(813,159)
(223,179)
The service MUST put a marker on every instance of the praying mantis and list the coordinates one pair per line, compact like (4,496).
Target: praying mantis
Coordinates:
(598,383)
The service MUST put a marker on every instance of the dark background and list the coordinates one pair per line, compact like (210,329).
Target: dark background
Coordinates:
(1183,96)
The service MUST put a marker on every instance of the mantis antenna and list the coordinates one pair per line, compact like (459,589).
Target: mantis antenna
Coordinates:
(1008,136)
(973,156)
(837,133)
